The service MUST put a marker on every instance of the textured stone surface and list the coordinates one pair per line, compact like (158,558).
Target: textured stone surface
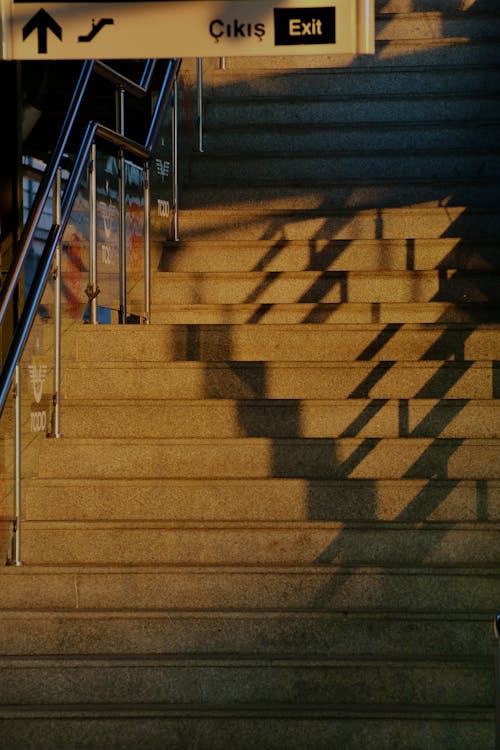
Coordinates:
(274,520)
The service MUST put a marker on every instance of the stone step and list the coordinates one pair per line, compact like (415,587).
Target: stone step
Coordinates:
(332,589)
(271,287)
(327,110)
(342,165)
(412,195)
(413,500)
(296,727)
(370,137)
(261,458)
(284,543)
(288,343)
(437,25)
(269,223)
(288,380)
(434,6)
(414,53)
(122,632)
(348,81)
(211,418)
(324,312)
(444,253)
(213,681)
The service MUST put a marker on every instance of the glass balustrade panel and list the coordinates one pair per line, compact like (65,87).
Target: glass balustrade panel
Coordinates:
(75,259)
(37,392)
(108,237)
(7,474)
(134,230)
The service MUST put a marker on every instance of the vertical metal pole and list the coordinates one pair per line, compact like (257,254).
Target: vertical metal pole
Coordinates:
(199,86)
(120,127)
(92,287)
(175,161)
(365,12)
(147,244)
(496,627)
(56,214)
(17,466)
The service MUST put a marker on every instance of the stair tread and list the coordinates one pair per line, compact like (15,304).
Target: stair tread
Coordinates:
(35,570)
(141,709)
(448,273)
(325,661)
(150,330)
(291,525)
(249,441)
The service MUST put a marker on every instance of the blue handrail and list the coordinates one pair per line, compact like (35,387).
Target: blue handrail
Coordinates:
(93,130)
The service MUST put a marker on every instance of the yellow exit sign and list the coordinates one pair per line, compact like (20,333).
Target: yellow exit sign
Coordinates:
(111,29)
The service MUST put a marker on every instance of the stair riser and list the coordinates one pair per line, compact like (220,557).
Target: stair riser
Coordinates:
(336,137)
(222,683)
(436,26)
(298,380)
(263,500)
(346,82)
(288,344)
(396,255)
(318,589)
(326,287)
(388,166)
(272,634)
(336,195)
(340,313)
(358,418)
(236,729)
(430,6)
(407,53)
(382,224)
(52,544)
(425,108)
(263,458)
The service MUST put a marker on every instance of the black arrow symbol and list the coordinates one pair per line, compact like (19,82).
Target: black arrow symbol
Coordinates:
(41,22)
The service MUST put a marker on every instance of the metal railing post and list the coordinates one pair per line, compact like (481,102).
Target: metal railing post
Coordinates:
(147,244)
(175,158)
(92,289)
(16,557)
(496,629)
(365,22)
(57,272)
(120,128)
(199,98)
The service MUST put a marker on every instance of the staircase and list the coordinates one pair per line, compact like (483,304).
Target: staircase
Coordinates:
(273,516)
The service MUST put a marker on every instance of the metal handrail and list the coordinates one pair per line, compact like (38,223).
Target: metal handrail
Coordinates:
(162,104)
(61,215)
(37,287)
(12,278)
(137,89)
